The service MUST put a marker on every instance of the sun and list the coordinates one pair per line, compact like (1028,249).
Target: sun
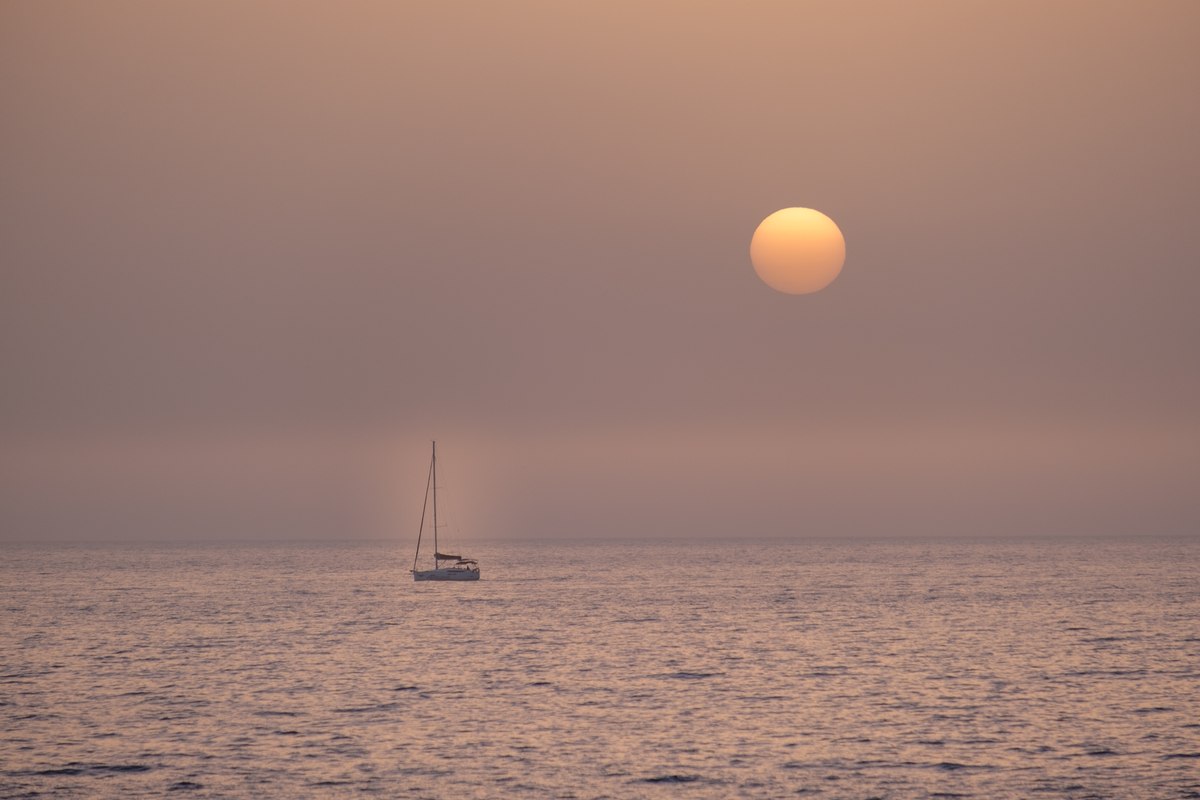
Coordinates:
(798,250)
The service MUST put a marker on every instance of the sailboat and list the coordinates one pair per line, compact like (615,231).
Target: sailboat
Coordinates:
(457,568)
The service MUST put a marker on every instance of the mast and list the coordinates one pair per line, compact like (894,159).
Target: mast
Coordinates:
(433,471)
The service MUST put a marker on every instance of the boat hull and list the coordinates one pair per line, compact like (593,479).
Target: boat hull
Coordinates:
(445,574)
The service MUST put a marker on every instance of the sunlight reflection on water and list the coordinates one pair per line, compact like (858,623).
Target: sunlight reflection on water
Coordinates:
(604,670)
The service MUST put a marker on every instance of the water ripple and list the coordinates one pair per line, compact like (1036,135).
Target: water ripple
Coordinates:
(894,670)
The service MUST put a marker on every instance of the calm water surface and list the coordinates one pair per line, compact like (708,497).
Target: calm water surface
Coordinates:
(891,670)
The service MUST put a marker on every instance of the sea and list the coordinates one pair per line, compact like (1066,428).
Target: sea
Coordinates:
(603,669)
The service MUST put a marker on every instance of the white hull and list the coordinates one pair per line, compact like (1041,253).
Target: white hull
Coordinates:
(447,574)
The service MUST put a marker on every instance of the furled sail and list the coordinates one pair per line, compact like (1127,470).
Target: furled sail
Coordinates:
(444,557)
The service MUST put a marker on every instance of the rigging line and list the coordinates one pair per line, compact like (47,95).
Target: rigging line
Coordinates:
(433,471)
(428,480)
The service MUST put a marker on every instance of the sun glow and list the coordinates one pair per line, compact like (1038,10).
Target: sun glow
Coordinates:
(798,251)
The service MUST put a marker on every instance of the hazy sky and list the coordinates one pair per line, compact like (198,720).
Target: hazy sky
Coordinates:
(255,255)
